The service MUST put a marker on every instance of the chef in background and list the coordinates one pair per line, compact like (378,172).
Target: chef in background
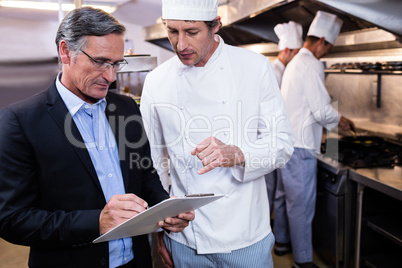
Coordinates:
(290,42)
(308,105)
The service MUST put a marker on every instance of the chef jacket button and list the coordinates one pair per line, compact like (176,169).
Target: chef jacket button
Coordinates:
(224,101)
(190,166)
(110,175)
(181,107)
(101,148)
(102,261)
(86,106)
(222,67)
(225,133)
(179,74)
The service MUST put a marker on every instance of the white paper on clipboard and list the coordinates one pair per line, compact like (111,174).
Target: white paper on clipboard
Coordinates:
(147,221)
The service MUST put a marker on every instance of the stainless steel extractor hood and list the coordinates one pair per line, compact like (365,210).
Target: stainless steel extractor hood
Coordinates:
(251,22)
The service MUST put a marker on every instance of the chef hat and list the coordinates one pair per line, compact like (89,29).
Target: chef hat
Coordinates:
(325,25)
(197,10)
(290,35)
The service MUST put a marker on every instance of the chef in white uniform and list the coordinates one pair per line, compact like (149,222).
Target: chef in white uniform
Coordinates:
(290,41)
(217,124)
(309,107)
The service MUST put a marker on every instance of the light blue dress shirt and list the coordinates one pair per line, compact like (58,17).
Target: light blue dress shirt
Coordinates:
(102,147)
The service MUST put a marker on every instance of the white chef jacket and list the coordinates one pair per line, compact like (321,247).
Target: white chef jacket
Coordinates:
(307,100)
(278,68)
(235,98)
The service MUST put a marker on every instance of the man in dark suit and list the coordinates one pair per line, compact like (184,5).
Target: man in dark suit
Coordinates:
(75,161)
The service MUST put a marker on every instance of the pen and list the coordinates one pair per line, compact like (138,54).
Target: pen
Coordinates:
(198,195)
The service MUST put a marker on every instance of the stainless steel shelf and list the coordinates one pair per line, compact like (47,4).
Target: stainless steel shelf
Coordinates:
(139,63)
(130,79)
(379,74)
(358,71)
(388,226)
(381,261)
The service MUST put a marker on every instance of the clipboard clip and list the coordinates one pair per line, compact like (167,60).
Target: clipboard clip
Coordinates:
(199,195)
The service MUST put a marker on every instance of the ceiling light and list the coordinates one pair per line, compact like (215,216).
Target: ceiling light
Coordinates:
(49,5)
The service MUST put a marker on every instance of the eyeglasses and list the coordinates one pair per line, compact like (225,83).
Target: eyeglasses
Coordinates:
(104,65)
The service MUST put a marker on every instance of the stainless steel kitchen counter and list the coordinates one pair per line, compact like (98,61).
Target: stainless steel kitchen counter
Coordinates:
(385,180)
(382,179)
(331,164)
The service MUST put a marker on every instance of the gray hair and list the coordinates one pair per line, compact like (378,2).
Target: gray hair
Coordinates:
(212,24)
(86,21)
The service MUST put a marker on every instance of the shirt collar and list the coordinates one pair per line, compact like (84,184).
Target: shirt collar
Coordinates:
(72,101)
(217,51)
(280,64)
(306,51)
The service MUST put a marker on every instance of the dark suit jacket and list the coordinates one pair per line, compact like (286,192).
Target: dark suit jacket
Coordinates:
(50,196)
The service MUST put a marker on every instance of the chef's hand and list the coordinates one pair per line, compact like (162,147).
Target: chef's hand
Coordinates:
(214,153)
(178,223)
(346,124)
(163,252)
(173,224)
(119,209)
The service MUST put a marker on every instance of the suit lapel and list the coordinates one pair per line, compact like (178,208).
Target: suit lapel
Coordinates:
(58,111)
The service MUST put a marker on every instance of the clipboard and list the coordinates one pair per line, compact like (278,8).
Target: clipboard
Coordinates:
(147,221)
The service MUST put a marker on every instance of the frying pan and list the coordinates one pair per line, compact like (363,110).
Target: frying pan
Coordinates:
(366,141)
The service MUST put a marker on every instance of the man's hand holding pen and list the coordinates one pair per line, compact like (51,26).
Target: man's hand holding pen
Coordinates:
(121,208)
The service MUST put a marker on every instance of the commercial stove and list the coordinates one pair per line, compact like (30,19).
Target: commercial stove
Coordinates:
(368,152)
(334,224)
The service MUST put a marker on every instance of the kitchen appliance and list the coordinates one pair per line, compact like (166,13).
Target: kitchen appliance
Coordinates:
(252,22)
(334,222)
(368,151)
